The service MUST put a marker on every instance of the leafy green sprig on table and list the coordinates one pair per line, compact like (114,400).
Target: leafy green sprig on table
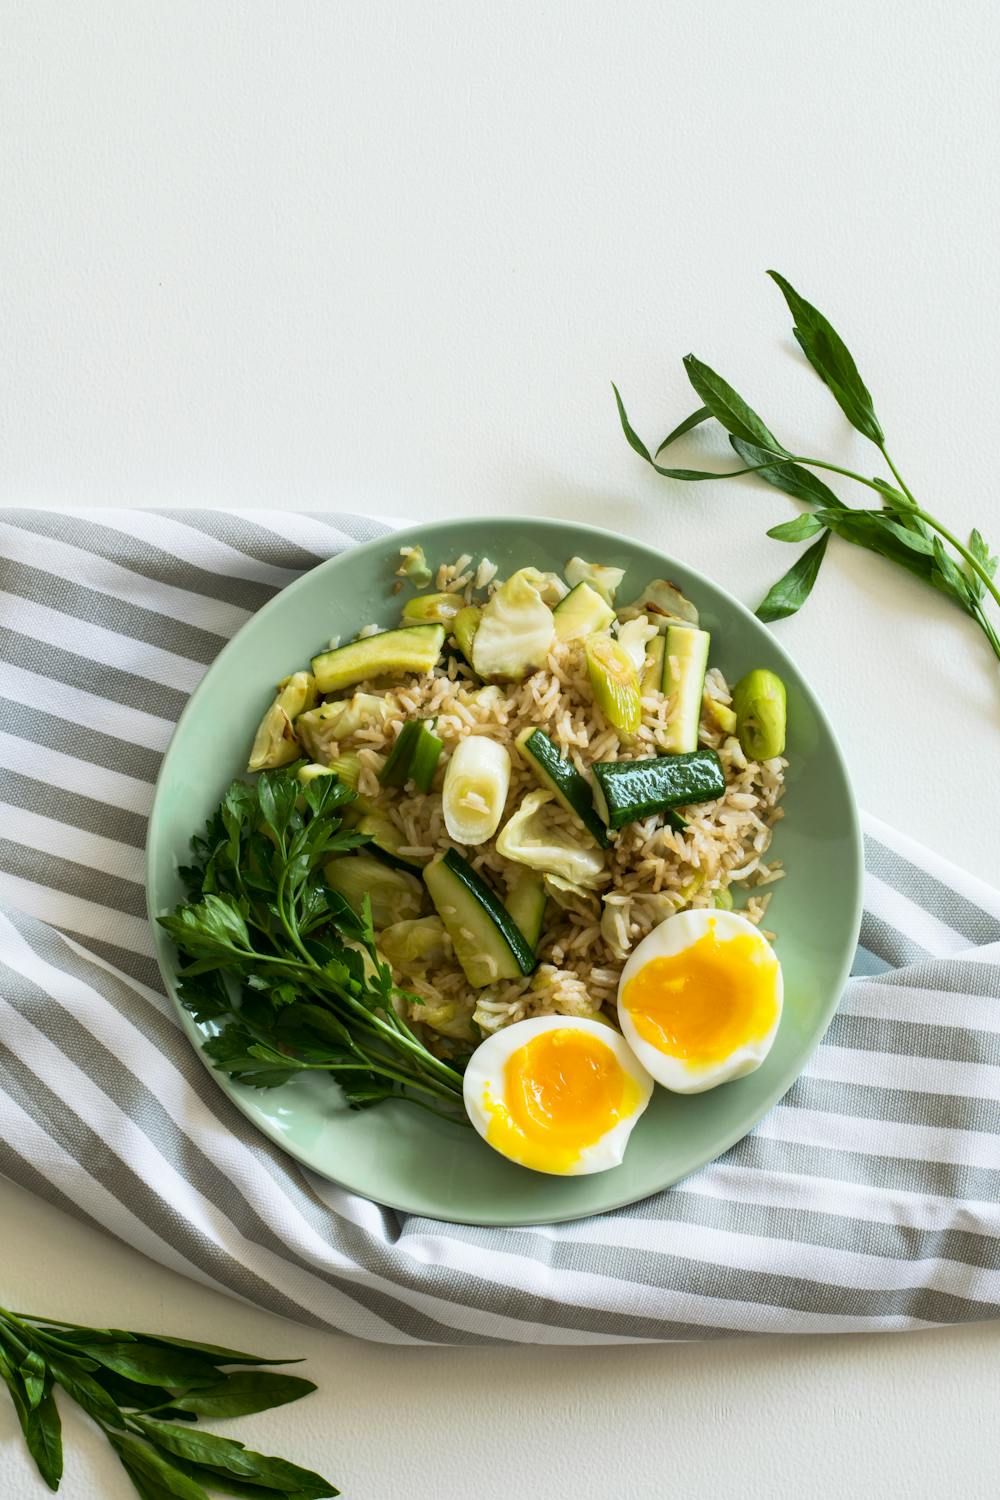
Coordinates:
(898,528)
(315,993)
(138,1388)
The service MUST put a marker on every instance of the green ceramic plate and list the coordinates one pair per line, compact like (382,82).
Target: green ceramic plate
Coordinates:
(400,1155)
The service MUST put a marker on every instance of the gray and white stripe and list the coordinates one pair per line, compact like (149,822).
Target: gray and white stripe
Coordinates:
(868,1199)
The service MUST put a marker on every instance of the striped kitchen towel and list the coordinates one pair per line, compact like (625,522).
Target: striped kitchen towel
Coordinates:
(869,1198)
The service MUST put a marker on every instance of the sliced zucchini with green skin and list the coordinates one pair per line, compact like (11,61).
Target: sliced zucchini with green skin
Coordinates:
(415,648)
(721,717)
(394,894)
(386,841)
(685,660)
(488,943)
(464,627)
(628,790)
(558,775)
(652,672)
(583,612)
(526,904)
(414,756)
(431,609)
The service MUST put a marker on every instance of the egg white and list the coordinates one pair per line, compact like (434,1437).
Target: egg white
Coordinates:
(671,937)
(484,1081)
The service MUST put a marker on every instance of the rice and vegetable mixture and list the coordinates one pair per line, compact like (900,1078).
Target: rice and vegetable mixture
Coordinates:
(607,684)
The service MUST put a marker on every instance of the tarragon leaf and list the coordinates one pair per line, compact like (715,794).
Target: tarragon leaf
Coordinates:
(798,530)
(729,408)
(832,360)
(703,414)
(793,589)
(791,478)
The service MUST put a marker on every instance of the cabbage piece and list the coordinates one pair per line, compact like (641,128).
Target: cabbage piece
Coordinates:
(664,603)
(393,894)
(633,636)
(570,897)
(605,580)
(321,728)
(530,838)
(515,630)
(416,943)
(276,741)
(550,586)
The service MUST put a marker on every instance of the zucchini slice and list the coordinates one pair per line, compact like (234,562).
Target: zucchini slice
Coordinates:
(582,613)
(627,790)
(558,775)
(685,658)
(652,672)
(415,648)
(526,905)
(386,842)
(488,943)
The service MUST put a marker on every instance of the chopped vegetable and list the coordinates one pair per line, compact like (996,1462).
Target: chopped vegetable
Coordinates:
(685,659)
(320,728)
(415,648)
(759,702)
(488,943)
(628,790)
(414,756)
(723,898)
(614,683)
(664,603)
(634,636)
(415,943)
(551,588)
(526,903)
(386,841)
(394,894)
(476,781)
(515,632)
(414,567)
(310,771)
(583,612)
(276,743)
(431,609)
(719,714)
(464,627)
(531,838)
(652,672)
(557,775)
(571,897)
(606,581)
(348,768)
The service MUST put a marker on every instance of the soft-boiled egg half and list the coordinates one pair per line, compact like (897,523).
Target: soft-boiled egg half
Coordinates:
(557,1094)
(700,1000)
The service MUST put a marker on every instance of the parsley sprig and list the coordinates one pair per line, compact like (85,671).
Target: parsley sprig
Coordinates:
(899,528)
(314,993)
(139,1388)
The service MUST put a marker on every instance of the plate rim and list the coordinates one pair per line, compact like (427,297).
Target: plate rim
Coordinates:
(600,535)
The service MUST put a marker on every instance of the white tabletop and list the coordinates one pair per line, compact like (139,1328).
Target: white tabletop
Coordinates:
(388,258)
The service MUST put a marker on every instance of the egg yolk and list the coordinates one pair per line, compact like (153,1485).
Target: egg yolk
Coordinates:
(563,1091)
(704,1002)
